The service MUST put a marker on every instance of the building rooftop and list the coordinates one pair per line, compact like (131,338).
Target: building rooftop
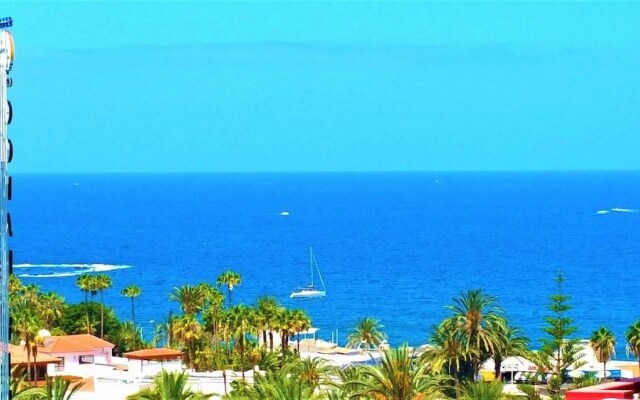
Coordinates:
(73,343)
(154,354)
(19,356)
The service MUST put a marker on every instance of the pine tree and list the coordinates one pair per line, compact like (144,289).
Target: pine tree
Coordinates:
(559,351)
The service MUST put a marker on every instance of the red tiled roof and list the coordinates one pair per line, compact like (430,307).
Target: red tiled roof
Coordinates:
(73,343)
(154,354)
(19,356)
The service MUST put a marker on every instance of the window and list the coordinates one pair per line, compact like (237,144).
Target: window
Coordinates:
(86,359)
(60,365)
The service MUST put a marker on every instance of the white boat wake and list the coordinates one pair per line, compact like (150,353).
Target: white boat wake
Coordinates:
(68,269)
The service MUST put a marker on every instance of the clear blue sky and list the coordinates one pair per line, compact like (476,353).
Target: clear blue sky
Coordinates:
(332,86)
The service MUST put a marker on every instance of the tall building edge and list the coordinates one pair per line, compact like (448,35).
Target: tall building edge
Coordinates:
(7,52)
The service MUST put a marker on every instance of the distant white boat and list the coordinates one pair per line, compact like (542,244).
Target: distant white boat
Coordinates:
(627,210)
(310,292)
(285,213)
(602,212)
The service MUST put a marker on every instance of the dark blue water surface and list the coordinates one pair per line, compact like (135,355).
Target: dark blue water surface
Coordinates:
(394,246)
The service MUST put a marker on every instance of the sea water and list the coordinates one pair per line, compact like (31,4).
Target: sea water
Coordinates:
(397,247)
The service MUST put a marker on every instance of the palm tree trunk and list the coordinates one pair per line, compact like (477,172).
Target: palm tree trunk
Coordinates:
(133,320)
(35,366)
(283,343)
(28,364)
(102,314)
(242,356)
(271,343)
(298,343)
(264,338)
(86,309)
(224,378)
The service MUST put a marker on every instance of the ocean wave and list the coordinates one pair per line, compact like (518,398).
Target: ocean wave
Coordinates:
(625,210)
(77,269)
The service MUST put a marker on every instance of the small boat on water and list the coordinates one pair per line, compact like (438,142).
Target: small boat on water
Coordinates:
(310,291)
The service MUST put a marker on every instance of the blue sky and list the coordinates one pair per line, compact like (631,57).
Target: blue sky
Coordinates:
(328,86)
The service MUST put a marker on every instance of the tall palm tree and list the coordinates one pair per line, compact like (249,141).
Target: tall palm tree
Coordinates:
(85,284)
(368,331)
(299,322)
(398,377)
(169,386)
(230,279)
(102,282)
(25,325)
(603,344)
(240,321)
(283,325)
(192,298)
(212,315)
(633,340)
(266,309)
(478,321)
(132,291)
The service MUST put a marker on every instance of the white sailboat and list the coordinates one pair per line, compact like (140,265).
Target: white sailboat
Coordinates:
(310,292)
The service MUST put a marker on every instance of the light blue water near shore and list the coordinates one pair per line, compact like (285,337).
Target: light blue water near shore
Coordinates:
(394,246)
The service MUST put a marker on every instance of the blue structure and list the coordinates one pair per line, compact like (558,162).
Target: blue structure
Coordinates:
(7,54)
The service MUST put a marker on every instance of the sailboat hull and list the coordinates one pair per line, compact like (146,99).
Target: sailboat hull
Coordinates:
(308,294)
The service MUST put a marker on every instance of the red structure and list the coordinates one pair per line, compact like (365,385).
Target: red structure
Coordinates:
(623,389)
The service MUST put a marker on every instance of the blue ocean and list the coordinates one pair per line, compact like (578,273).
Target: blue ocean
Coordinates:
(394,246)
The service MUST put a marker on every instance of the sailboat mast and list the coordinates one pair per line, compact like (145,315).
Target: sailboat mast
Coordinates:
(311,263)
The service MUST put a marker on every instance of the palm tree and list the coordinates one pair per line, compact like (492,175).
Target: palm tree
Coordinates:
(230,279)
(25,325)
(367,331)
(132,291)
(240,321)
(267,307)
(633,340)
(56,388)
(311,371)
(483,391)
(169,386)
(447,354)
(283,325)
(478,320)
(299,322)
(124,337)
(51,307)
(603,344)
(187,331)
(510,342)
(102,283)
(398,377)
(212,314)
(277,385)
(191,298)
(85,284)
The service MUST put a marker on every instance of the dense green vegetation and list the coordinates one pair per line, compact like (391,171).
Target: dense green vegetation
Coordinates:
(216,334)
